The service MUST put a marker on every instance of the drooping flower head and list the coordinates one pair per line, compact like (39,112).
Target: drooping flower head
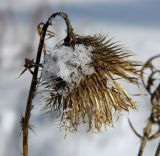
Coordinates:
(81,80)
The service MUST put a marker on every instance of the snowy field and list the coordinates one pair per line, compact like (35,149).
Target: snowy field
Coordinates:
(137,30)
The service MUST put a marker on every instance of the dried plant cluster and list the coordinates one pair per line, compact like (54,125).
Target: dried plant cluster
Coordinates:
(88,89)
(95,96)
(152,85)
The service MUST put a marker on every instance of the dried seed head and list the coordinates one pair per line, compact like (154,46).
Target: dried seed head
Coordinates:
(81,78)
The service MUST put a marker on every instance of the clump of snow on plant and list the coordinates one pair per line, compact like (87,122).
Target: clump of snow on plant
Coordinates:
(70,64)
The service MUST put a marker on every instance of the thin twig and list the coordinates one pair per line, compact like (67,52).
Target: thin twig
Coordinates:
(144,139)
(136,133)
(155,135)
(32,90)
(158,150)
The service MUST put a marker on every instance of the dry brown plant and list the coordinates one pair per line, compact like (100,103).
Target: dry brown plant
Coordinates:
(154,118)
(93,100)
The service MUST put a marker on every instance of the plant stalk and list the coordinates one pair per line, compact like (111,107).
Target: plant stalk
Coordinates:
(144,139)
(32,91)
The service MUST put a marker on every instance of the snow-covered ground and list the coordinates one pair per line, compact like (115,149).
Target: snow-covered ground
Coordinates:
(141,38)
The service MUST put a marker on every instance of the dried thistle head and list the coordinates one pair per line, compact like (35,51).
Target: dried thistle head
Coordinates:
(81,78)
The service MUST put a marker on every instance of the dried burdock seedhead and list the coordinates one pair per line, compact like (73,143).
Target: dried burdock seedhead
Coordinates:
(80,78)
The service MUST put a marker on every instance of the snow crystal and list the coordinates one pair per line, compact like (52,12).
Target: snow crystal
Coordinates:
(68,64)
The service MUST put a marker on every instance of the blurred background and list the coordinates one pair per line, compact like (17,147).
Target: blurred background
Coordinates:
(135,23)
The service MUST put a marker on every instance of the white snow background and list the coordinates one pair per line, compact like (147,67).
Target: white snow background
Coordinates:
(135,24)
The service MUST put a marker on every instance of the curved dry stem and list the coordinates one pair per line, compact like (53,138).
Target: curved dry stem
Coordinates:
(148,64)
(70,35)
(154,117)
(136,133)
(25,119)
(158,150)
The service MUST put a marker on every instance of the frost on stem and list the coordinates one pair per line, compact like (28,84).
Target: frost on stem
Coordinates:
(81,77)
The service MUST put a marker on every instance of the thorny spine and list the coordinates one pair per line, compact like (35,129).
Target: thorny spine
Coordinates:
(25,119)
